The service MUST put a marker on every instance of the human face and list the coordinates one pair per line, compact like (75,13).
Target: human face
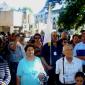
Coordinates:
(83,37)
(13,46)
(37,38)
(79,81)
(75,39)
(54,36)
(68,51)
(30,51)
(64,35)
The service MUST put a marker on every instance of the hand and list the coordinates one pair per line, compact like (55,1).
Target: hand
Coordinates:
(49,67)
(41,76)
(3,83)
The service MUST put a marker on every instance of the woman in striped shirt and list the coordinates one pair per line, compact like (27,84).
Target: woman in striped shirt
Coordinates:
(4,72)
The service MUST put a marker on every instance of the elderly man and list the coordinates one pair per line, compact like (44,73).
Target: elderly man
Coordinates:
(67,66)
(51,52)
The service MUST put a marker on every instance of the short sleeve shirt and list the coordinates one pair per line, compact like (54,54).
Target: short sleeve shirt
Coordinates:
(28,71)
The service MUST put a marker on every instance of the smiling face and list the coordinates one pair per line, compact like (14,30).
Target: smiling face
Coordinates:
(75,39)
(30,51)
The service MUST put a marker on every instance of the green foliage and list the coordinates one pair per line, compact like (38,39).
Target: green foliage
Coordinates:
(72,15)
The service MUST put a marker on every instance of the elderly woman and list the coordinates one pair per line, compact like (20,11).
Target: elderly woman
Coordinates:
(30,70)
(4,72)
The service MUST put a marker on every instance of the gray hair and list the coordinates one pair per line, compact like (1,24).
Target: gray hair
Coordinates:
(67,46)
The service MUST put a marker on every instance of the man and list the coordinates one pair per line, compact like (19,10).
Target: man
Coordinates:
(64,36)
(16,54)
(51,52)
(75,40)
(79,49)
(67,66)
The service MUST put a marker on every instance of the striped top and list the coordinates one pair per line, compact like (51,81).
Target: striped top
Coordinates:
(4,72)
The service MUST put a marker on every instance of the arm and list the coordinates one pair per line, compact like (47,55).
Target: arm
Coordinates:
(81,57)
(17,80)
(57,71)
(43,54)
(45,63)
(19,73)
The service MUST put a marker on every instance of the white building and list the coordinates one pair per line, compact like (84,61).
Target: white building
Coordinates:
(10,21)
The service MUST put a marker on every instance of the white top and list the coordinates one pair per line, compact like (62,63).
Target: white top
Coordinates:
(70,69)
(79,46)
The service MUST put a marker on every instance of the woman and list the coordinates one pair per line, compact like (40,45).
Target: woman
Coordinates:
(4,72)
(30,70)
(38,44)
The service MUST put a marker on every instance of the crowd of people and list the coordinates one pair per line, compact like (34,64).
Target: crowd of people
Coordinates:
(59,62)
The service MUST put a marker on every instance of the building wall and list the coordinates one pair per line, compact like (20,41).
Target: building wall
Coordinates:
(9,19)
(6,18)
(0,29)
(4,29)
(17,18)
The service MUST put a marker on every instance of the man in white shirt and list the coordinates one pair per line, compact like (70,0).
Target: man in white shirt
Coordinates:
(67,66)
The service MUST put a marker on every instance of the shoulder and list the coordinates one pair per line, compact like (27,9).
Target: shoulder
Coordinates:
(77,60)
(59,61)
(78,44)
(22,60)
(47,44)
(37,58)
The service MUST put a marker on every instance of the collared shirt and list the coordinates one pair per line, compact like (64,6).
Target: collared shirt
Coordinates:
(17,55)
(70,69)
(80,46)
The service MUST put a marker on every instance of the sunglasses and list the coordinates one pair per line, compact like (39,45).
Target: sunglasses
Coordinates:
(37,38)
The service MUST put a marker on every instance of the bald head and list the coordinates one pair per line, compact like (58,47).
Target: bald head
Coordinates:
(64,35)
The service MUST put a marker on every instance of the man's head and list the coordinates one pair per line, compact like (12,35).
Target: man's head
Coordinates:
(64,35)
(68,51)
(75,38)
(54,36)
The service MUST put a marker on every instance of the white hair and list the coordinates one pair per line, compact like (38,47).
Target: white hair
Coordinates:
(67,46)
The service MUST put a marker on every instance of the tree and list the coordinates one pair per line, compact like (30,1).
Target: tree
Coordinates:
(72,15)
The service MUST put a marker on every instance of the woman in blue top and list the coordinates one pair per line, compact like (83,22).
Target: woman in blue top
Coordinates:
(30,70)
